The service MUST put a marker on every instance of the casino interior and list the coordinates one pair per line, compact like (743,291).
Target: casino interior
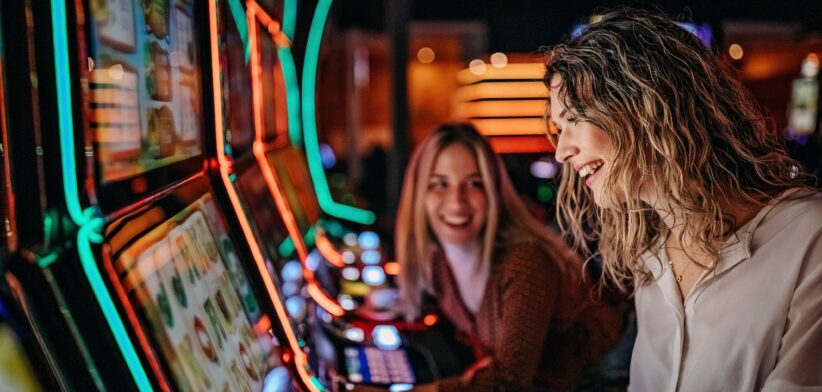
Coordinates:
(201,195)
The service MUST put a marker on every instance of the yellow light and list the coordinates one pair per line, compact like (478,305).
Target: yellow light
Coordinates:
(531,71)
(502,90)
(426,55)
(517,108)
(510,126)
(477,67)
(499,60)
(736,51)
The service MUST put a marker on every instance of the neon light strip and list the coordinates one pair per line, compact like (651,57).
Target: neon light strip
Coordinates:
(532,126)
(292,87)
(499,90)
(312,146)
(300,358)
(238,14)
(328,250)
(289,18)
(532,71)
(317,294)
(64,108)
(259,146)
(85,236)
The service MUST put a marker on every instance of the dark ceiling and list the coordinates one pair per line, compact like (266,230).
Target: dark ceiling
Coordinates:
(525,25)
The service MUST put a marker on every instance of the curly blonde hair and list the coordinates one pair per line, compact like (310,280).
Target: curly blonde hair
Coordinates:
(679,122)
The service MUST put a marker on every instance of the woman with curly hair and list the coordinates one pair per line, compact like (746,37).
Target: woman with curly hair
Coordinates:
(695,205)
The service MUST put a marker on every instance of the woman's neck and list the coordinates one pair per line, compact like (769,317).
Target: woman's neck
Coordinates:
(468,254)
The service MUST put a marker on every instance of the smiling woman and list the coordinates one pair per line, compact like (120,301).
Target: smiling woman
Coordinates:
(694,202)
(507,283)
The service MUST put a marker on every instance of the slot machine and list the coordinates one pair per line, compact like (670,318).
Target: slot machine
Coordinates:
(161,290)
(269,174)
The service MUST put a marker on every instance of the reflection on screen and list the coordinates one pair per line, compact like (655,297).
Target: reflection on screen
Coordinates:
(292,172)
(186,282)
(261,208)
(145,85)
(239,108)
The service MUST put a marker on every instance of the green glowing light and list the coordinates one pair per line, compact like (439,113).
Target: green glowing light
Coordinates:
(289,18)
(238,13)
(292,91)
(91,233)
(286,248)
(312,147)
(64,107)
(545,193)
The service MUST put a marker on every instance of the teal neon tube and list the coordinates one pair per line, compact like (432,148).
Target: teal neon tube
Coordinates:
(312,147)
(239,16)
(88,233)
(292,90)
(289,18)
(64,117)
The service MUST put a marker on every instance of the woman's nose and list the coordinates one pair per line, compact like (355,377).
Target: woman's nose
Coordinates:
(565,149)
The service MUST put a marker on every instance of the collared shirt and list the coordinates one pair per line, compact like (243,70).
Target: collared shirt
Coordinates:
(753,323)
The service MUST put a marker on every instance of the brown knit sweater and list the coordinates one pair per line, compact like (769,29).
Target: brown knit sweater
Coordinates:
(536,321)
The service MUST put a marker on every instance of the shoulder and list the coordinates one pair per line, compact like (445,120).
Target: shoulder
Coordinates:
(799,212)
(527,258)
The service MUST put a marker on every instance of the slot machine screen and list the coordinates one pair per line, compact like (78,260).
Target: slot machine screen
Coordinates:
(145,86)
(292,172)
(194,298)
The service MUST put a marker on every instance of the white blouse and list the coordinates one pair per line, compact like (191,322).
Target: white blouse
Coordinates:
(753,323)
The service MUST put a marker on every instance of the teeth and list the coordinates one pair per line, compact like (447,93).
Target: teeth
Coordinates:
(589,169)
(455,220)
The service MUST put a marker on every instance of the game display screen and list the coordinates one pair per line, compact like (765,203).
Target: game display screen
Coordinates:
(195,300)
(292,172)
(144,85)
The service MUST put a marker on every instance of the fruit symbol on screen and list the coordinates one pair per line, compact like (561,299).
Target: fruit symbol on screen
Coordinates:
(158,72)
(198,378)
(239,379)
(165,306)
(179,288)
(215,323)
(248,362)
(161,138)
(156,12)
(205,340)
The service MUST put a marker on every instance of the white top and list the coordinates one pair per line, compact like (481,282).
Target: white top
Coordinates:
(753,323)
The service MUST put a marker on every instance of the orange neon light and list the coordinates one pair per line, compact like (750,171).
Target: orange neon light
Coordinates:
(259,146)
(272,26)
(324,300)
(534,126)
(392,268)
(430,319)
(499,90)
(108,265)
(520,144)
(504,108)
(300,357)
(11,237)
(328,250)
(532,71)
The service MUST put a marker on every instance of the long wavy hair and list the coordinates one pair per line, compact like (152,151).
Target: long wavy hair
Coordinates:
(680,123)
(507,222)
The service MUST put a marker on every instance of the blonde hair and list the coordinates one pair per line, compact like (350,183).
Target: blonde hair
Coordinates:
(507,220)
(679,123)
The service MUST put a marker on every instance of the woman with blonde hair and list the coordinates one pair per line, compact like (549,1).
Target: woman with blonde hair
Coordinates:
(510,286)
(695,205)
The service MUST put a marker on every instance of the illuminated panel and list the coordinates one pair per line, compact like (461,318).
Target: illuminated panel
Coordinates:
(310,125)
(520,144)
(532,71)
(494,90)
(510,126)
(300,358)
(506,108)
